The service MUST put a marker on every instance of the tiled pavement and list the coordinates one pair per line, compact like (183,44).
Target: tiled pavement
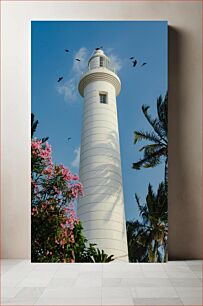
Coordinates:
(173,283)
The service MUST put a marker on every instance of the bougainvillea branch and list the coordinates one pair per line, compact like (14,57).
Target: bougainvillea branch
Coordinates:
(54,191)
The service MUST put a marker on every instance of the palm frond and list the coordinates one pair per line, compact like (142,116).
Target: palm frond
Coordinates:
(33,125)
(151,204)
(153,146)
(149,160)
(155,123)
(152,151)
(141,135)
(162,111)
(156,149)
(44,139)
(138,201)
(146,163)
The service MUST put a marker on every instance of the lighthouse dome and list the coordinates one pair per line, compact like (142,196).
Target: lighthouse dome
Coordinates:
(100,68)
(100,60)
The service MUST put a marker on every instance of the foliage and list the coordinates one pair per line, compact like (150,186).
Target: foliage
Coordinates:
(156,149)
(101,256)
(34,124)
(146,239)
(136,251)
(54,190)
(91,254)
(95,255)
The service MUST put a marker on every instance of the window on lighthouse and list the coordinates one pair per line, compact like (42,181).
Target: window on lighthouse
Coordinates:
(103,98)
(101,62)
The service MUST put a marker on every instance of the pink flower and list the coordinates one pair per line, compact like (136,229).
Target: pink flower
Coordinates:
(36,144)
(55,189)
(72,239)
(62,242)
(41,150)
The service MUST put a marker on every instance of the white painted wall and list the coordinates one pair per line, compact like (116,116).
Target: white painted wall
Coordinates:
(101,210)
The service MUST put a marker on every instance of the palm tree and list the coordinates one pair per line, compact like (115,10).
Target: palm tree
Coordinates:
(34,124)
(156,149)
(154,214)
(136,251)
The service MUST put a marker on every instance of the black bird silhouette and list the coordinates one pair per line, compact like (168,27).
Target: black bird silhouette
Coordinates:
(143,64)
(60,79)
(98,48)
(66,50)
(134,63)
(77,59)
(69,138)
(131,57)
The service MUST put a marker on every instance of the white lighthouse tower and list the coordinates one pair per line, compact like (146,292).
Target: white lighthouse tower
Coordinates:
(101,209)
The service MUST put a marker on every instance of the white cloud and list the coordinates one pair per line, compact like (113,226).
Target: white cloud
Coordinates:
(69,88)
(79,67)
(115,59)
(75,163)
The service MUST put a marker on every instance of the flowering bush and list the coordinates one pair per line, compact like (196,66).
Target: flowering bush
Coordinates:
(54,191)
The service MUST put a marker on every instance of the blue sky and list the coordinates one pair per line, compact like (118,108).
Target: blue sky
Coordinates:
(58,106)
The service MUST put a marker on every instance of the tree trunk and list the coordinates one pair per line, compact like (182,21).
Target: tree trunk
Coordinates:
(155,250)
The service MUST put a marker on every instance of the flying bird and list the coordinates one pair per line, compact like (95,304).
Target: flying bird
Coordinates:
(143,64)
(60,79)
(134,63)
(77,59)
(66,50)
(131,57)
(69,138)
